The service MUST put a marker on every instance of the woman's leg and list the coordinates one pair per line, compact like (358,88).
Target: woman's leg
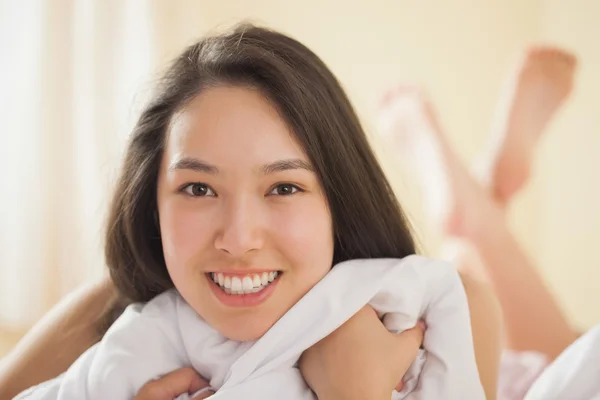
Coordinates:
(540,82)
(533,319)
(465,210)
(535,88)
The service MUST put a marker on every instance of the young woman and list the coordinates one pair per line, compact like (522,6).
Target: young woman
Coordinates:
(250,162)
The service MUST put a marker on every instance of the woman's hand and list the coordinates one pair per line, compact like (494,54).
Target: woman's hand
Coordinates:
(184,380)
(361,359)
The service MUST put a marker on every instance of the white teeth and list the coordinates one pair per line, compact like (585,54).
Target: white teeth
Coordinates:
(247,284)
(236,284)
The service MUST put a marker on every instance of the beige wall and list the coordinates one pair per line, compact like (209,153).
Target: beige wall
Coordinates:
(570,167)
(460,50)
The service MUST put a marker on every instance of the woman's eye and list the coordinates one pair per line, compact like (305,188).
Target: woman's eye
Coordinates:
(284,189)
(198,190)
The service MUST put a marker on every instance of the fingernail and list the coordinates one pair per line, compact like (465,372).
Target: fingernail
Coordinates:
(422,324)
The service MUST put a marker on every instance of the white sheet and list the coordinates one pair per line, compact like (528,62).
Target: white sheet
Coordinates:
(574,375)
(150,340)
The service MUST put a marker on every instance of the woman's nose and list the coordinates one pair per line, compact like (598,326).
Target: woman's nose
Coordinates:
(241,229)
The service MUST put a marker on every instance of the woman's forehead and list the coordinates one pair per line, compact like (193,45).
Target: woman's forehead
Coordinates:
(231,124)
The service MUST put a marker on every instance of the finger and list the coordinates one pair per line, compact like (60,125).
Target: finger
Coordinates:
(407,345)
(416,333)
(184,380)
(367,311)
(399,386)
(203,394)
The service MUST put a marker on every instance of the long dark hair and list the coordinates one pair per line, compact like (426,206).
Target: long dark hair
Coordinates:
(367,219)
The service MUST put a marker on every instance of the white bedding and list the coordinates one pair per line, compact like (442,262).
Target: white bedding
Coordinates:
(150,340)
(574,375)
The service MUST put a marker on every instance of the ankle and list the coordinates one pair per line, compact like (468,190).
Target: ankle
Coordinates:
(482,224)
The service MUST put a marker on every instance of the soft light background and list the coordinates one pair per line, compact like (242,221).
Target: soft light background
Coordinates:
(73,74)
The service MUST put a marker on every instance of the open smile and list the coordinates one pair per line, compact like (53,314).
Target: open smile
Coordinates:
(243,290)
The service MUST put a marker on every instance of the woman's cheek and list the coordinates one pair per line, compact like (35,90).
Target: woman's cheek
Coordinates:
(184,231)
(305,236)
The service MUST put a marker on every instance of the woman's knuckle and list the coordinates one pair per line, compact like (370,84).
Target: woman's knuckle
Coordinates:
(150,391)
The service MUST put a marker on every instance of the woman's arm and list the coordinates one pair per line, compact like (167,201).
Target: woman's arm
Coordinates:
(57,340)
(176,383)
(486,325)
(361,359)
(329,366)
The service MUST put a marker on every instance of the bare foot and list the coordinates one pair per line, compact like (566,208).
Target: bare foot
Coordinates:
(456,203)
(540,83)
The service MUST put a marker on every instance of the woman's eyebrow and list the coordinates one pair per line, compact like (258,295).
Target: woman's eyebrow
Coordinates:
(194,164)
(197,165)
(287,164)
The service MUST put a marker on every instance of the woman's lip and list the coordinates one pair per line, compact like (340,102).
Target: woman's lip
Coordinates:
(242,300)
(244,272)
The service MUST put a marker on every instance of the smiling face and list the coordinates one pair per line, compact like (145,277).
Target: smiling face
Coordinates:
(239,204)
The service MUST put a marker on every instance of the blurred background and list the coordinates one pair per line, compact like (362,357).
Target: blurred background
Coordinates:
(74,74)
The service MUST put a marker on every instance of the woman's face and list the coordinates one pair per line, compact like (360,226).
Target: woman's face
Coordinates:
(239,204)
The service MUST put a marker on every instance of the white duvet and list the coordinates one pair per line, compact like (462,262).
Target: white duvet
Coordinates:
(150,340)
(574,375)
